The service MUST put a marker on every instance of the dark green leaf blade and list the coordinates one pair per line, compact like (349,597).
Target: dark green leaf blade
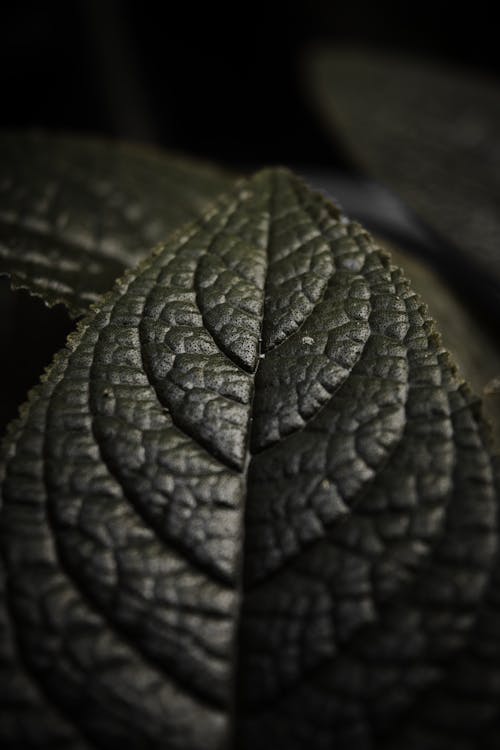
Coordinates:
(254,444)
(428,131)
(76,212)
(474,348)
(122,500)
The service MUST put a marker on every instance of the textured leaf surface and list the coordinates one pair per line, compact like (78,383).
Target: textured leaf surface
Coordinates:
(76,212)
(430,133)
(474,346)
(474,349)
(252,505)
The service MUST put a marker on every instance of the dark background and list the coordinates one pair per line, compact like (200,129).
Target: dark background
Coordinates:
(211,79)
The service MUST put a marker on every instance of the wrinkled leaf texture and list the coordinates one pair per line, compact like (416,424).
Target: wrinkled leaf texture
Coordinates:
(429,131)
(252,505)
(76,212)
(473,346)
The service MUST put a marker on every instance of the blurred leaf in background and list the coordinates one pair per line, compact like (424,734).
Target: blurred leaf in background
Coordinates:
(431,133)
(76,212)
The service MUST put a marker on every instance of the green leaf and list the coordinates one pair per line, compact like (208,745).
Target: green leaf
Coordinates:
(251,505)
(474,349)
(76,212)
(431,133)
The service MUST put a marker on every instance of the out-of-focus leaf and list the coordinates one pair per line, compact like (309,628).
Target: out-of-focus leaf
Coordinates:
(431,133)
(251,506)
(75,212)
(372,204)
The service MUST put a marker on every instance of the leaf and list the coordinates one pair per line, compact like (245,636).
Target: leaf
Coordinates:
(431,133)
(474,350)
(76,212)
(473,344)
(251,505)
